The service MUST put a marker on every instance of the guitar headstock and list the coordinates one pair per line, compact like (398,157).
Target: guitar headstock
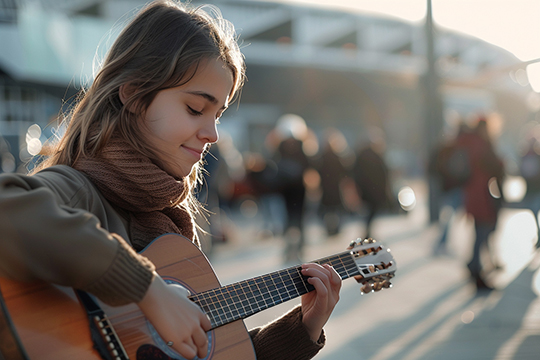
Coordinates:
(375,264)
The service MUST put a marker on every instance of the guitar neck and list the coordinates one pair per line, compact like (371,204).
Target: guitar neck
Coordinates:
(245,298)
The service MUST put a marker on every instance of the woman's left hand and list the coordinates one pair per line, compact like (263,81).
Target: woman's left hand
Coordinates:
(318,305)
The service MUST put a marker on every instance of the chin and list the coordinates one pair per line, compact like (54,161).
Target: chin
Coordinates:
(181,173)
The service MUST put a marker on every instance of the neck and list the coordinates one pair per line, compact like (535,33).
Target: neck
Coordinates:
(245,298)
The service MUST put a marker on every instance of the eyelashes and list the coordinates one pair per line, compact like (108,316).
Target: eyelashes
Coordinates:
(193,111)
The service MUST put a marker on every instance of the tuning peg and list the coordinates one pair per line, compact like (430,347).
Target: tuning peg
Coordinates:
(360,279)
(369,241)
(366,289)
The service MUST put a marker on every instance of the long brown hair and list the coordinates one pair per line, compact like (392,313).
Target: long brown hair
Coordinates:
(160,48)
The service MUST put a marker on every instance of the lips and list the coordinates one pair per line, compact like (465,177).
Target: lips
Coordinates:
(193,151)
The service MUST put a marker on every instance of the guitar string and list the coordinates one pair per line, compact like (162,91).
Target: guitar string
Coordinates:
(270,299)
(226,315)
(223,308)
(340,267)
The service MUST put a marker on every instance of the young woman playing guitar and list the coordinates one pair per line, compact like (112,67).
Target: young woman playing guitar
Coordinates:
(123,174)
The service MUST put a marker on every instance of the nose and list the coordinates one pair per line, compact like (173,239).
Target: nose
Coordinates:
(209,133)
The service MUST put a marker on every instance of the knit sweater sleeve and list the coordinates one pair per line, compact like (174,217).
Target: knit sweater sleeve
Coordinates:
(285,339)
(50,234)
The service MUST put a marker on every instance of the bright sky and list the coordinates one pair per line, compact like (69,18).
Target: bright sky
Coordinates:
(511,24)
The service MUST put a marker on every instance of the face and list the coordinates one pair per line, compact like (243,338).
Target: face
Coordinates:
(182,120)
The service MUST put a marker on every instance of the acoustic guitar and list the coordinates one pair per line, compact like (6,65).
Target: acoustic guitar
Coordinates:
(44,321)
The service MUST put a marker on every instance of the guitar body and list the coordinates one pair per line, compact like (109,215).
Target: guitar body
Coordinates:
(50,323)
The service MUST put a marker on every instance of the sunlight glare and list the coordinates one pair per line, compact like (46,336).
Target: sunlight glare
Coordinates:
(516,240)
(536,282)
(533,73)
(511,25)
(514,188)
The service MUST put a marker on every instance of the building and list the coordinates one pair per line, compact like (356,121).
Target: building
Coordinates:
(347,70)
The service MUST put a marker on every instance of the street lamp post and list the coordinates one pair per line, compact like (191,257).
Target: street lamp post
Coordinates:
(433,111)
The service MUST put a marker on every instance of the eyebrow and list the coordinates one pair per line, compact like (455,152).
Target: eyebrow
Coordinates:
(207,96)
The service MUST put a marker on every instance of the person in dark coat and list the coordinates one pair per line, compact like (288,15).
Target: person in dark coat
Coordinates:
(451,168)
(371,177)
(332,172)
(292,163)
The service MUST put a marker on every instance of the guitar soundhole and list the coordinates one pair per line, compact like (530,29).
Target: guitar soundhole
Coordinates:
(166,351)
(151,352)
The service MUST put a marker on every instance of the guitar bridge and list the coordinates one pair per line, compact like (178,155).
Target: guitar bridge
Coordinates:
(105,339)
(109,341)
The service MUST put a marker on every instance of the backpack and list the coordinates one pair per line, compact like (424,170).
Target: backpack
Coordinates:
(455,167)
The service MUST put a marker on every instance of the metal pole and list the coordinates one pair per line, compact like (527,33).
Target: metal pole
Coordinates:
(433,111)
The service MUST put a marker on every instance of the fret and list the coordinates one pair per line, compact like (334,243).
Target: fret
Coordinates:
(285,284)
(302,280)
(261,283)
(293,287)
(238,300)
(248,297)
(244,298)
(288,285)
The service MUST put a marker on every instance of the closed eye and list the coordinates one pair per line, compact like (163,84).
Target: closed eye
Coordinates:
(193,111)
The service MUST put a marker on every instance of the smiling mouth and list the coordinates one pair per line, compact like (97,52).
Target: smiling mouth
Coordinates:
(194,152)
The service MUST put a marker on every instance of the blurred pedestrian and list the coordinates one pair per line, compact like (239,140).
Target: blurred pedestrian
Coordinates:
(482,194)
(213,229)
(371,176)
(452,169)
(530,171)
(333,172)
(124,173)
(292,163)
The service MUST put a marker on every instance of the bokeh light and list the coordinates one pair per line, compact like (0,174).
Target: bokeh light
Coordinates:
(8,162)
(249,208)
(33,143)
(514,188)
(407,198)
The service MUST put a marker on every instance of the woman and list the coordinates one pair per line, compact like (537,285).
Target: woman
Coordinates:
(124,172)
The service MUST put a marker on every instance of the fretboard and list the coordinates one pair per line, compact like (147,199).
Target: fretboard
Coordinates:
(245,298)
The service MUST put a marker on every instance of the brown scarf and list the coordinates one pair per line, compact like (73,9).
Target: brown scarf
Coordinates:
(132,182)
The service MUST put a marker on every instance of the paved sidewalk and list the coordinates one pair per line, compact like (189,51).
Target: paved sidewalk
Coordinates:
(433,311)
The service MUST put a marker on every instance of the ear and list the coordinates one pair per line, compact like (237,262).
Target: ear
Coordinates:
(125,91)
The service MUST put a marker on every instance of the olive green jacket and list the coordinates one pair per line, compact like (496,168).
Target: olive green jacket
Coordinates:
(55,226)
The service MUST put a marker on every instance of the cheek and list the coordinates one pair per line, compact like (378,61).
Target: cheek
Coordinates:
(158,131)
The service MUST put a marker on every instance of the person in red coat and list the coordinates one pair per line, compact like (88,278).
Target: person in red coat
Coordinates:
(482,193)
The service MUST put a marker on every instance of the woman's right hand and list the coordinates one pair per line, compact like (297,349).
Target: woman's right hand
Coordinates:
(176,318)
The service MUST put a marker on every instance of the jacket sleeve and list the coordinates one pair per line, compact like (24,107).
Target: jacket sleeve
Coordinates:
(285,339)
(45,236)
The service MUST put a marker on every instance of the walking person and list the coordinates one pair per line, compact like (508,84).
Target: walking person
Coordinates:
(124,173)
(482,195)
(292,163)
(452,169)
(333,172)
(371,176)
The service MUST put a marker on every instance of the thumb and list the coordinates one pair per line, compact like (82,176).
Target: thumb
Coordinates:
(180,290)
